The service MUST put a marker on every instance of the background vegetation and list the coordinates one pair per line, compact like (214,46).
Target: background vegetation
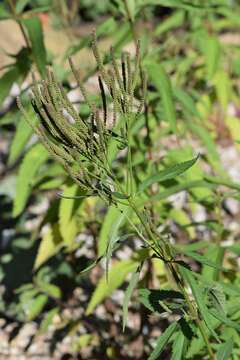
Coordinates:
(155,253)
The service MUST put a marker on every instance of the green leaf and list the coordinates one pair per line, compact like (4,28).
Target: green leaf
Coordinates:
(29,167)
(151,298)
(207,141)
(20,5)
(91,266)
(162,82)
(131,9)
(203,260)
(225,350)
(67,221)
(170,23)
(224,319)
(49,246)
(217,298)
(178,347)
(119,195)
(198,296)
(21,137)
(117,276)
(168,173)
(212,54)
(223,85)
(235,249)
(105,28)
(163,341)
(35,33)
(185,99)
(50,184)
(50,289)
(113,243)
(4,13)
(216,254)
(7,81)
(35,306)
(47,320)
(114,219)
(186,5)
(128,293)
(82,342)
(221,181)
(177,188)
(108,223)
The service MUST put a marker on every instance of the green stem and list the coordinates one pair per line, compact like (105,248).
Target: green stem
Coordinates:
(15,15)
(192,310)
(194,314)
(131,22)
(129,159)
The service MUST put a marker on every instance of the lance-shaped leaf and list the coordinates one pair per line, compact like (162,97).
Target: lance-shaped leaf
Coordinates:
(203,260)
(35,33)
(116,277)
(49,246)
(131,286)
(162,82)
(162,341)
(169,173)
(31,163)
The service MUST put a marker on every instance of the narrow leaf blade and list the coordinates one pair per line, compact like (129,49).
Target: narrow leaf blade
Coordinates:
(162,341)
(161,80)
(35,33)
(131,286)
(168,173)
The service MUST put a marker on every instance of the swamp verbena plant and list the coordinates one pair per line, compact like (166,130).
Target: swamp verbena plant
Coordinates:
(86,148)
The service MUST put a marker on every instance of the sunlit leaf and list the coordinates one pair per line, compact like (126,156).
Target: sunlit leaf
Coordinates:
(21,137)
(47,320)
(117,275)
(35,306)
(49,246)
(31,163)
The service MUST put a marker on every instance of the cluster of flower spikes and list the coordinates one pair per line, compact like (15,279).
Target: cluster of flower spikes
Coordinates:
(80,144)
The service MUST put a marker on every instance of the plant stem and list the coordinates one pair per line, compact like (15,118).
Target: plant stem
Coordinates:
(129,159)
(15,15)
(131,22)
(194,314)
(192,309)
